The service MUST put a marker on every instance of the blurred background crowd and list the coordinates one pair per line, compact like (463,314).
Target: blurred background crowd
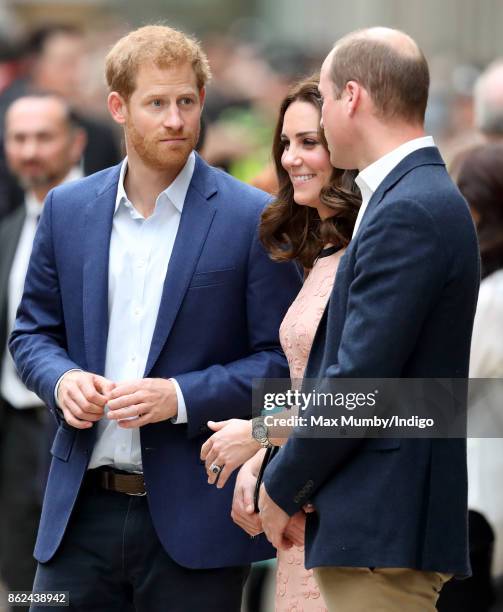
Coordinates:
(256,50)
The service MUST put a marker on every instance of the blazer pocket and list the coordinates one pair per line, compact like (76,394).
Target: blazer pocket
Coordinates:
(382,444)
(63,443)
(212,277)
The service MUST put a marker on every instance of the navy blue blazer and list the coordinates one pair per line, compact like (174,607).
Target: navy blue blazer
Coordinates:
(402,306)
(217,329)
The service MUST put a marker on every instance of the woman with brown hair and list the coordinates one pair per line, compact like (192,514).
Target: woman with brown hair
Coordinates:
(310,221)
(478,172)
(312,209)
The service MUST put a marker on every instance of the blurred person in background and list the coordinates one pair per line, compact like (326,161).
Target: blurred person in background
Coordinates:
(478,172)
(241,107)
(488,102)
(43,146)
(450,115)
(54,61)
(11,62)
(149,308)
(55,58)
(310,222)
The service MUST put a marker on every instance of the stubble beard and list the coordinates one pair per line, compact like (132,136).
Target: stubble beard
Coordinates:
(38,182)
(156,156)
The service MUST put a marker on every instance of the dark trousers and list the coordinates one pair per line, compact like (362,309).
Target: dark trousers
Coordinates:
(24,452)
(111,559)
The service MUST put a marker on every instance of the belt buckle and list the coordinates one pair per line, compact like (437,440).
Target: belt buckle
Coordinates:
(108,479)
(140,494)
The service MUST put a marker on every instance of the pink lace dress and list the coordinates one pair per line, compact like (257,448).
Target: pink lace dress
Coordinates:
(296,588)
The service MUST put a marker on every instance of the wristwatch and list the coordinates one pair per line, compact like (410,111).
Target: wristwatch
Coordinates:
(259,432)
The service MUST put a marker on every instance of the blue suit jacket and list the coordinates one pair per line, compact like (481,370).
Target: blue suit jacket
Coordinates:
(217,329)
(402,306)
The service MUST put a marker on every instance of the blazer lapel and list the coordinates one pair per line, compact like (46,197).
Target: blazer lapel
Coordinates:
(195,222)
(426,156)
(11,232)
(98,229)
(13,226)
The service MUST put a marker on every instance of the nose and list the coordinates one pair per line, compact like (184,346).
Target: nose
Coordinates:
(173,119)
(29,148)
(291,157)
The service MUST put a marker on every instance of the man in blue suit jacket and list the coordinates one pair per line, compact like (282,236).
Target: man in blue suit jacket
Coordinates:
(390,520)
(149,307)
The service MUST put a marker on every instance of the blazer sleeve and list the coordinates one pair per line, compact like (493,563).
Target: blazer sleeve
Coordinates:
(226,389)
(38,341)
(400,269)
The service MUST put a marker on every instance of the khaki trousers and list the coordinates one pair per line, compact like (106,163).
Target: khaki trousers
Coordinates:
(360,589)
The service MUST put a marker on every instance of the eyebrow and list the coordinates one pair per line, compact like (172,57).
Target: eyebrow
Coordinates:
(36,133)
(161,94)
(301,133)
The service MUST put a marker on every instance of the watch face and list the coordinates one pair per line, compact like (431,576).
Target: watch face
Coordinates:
(259,431)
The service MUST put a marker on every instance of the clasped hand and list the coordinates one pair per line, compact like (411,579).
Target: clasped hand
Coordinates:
(244,515)
(83,396)
(229,448)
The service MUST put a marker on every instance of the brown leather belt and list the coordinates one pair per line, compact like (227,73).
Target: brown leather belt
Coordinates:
(116,480)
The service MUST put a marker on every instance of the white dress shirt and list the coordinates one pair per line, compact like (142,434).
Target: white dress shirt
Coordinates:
(140,250)
(12,388)
(369,179)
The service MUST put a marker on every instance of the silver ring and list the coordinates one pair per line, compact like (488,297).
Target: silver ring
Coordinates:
(215,469)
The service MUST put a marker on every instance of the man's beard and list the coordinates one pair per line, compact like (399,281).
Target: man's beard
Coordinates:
(158,156)
(37,182)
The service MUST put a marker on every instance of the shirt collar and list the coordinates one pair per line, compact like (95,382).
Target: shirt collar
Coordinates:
(176,192)
(369,179)
(34,207)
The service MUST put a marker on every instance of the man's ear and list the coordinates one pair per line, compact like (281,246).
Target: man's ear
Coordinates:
(117,107)
(352,94)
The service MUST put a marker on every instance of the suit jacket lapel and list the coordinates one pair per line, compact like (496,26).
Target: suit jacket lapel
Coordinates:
(12,227)
(426,156)
(195,222)
(98,229)
(11,232)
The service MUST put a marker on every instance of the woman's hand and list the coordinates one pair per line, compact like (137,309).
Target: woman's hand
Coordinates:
(228,448)
(296,528)
(243,512)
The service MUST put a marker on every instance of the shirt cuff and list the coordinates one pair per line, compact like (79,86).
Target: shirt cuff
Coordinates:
(181,417)
(56,388)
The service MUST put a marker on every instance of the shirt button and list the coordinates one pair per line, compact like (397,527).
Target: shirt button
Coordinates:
(137,312)
(141,263)
(133,358)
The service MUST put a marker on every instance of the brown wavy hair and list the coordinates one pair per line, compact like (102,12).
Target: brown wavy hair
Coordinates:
(478,173)
(290,231)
